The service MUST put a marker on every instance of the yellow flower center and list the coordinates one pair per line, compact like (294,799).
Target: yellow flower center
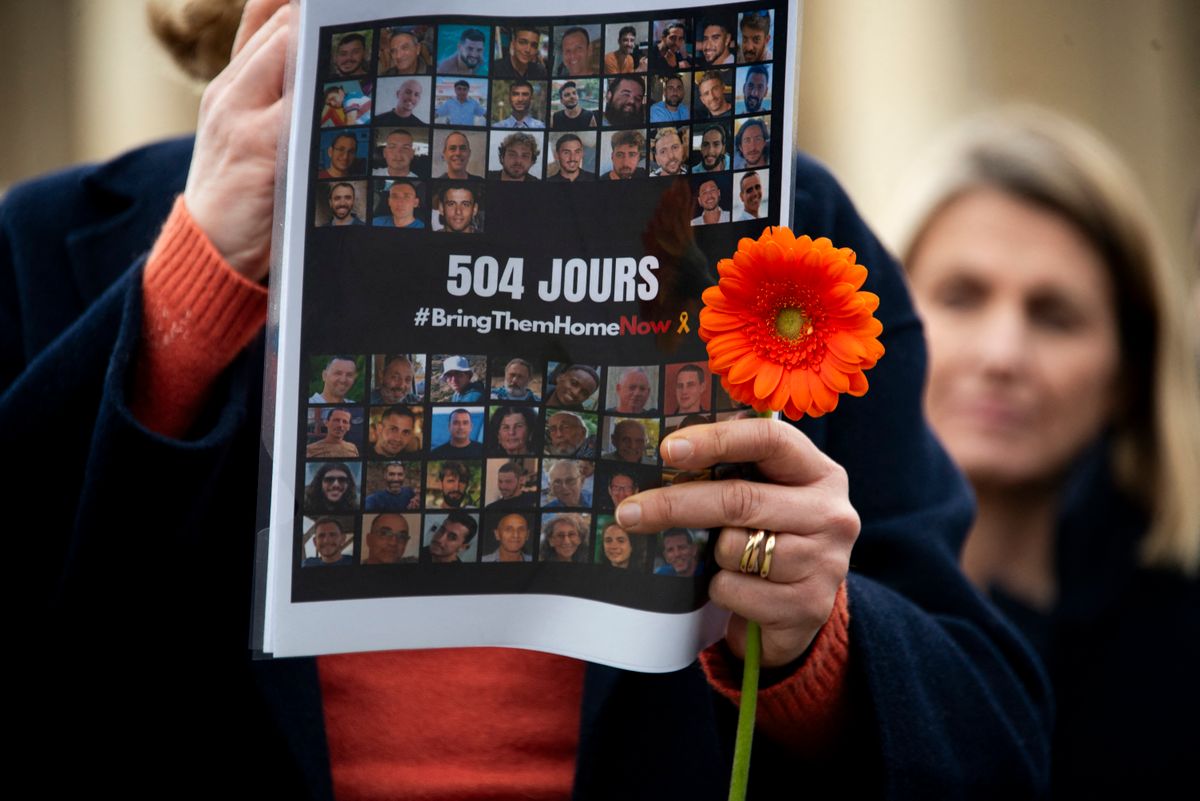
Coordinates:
(792,324)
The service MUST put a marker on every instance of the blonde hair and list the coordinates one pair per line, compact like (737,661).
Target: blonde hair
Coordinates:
(1056,164)
(198,35)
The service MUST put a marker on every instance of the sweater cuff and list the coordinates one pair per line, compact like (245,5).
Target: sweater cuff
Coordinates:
(808,710)
(198,314)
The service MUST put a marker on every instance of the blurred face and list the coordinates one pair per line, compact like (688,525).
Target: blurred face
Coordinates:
(754,146)
(516,161)
(566,485)
(388,538)
(564,540)
(513,434)
(712,150)
(570,157)
(450,539)
(620,488)
(680,554)
(334,485)
(457,153)
(459,379)
(398,153)
(754,90)
(404,51)
(470,53)
(339,378)
(629,441)
(625,160)
(407,97)
(393,434)
(338,424)
(714,44)
(633,390)
(516,378)
(329,541)
(460,429)
(520,97)
(673,92)
(575,53)
(507,483)
(566,433)
(397,381)
(574,387)
(569,97)
(458,209)
(674,38)
(453,488)
(668,152)
(348,58)
(754,45)
(341,202)
(393,476)
(709,195)
(525,47)
(1023,342)
(460,93)
(512,533)
(627,41)
(626,97)
(689,388)
(341,155)
(617,546)
(402,201)
(751,193)
(712,95)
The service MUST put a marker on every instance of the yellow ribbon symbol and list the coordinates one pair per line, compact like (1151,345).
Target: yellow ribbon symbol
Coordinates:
(683,326)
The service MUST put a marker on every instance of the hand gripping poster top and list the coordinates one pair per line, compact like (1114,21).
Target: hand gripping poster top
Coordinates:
(496,235)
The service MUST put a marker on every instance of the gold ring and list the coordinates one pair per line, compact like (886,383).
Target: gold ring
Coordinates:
(750,558)
(768,552)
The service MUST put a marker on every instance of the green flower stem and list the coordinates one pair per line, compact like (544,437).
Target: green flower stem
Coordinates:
(746,711)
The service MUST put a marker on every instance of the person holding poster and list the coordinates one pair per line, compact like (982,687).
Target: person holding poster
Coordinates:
(181,414)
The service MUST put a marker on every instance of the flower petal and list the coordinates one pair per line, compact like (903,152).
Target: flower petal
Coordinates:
(767,379)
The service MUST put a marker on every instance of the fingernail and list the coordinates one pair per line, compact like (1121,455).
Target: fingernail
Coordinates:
(629,514)
(678,449)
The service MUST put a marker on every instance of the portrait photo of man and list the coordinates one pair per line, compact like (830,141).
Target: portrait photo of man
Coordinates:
(574,157)
(572,114)
(344,154)
(516,381)
(625,53)
(668,148)
(403,52)
(517,156)
(397,151)
(332,540)
(708,197)
(389,539)
(511,483)
(752,144)
(348,54)
(458,433)
(688,389)
(343,204)
(624,102)
(754,89)
(574,53)
(335,424)
(412,100)
(396,376)
(452,485)
(460,208)
(680,554)
(466,105)
(518,104)
(670,51)
(712,147)
(622,483)
(632,390)
(752,196)
(331,487)
(401,199)
(462,50)
(755,37)
(714,40)
(523,56)
(563,485)
(511,542)
(396,430)
(626,155)
(671,90)
(571,434)
(459,154)
(337,379)
(634,441)
(389,488)
(450,538)
(460,378)
(712,94)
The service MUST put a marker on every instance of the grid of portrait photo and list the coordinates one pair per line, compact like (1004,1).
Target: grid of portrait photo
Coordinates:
(452,458)
(421,126)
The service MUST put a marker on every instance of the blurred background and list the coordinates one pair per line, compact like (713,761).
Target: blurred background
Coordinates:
(878,80)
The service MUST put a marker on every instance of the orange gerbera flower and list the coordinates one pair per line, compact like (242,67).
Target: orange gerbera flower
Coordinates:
(787,328)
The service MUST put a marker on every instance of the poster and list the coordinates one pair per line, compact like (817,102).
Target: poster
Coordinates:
(496,234)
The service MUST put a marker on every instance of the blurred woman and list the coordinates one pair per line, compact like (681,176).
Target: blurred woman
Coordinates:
(1062,382)
(565,538)
(511,431)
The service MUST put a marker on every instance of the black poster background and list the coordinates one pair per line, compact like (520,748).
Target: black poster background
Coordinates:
(363,287)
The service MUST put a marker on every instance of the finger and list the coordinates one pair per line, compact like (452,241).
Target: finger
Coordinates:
(793,558)
(783,454)
(733,502)
(254,15)
(257,79)
(790,614)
